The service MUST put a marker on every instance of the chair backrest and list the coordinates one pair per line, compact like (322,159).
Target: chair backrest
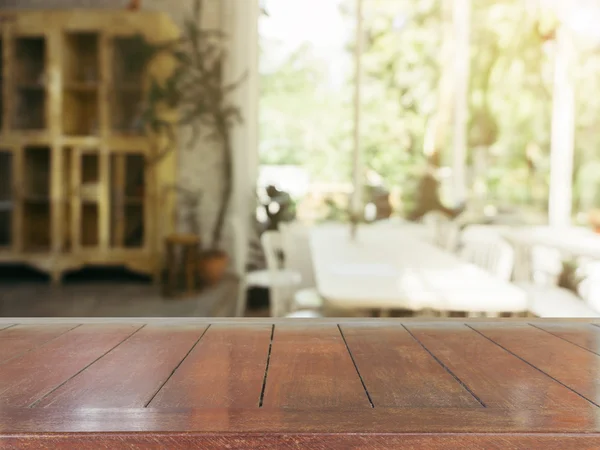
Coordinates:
(449,236)
(589,288)
(272,247)
(494,255)
(280,294)
(480,232)
(436,222)
(295,240)
(546,264)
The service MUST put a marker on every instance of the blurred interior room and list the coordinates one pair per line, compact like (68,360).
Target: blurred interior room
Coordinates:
(299,158)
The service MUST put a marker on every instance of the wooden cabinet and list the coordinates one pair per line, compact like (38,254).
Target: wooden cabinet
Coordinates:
(77,186)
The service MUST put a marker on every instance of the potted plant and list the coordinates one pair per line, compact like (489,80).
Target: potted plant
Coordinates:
(196,89)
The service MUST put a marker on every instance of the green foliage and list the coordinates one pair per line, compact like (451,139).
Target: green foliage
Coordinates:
(510,102)
(196,89)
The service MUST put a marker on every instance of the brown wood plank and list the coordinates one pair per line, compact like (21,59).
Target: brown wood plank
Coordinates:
(28,378)
(276,420)
(398,371)
(225,369)
(23,338)
(498,378)
(310,367)
(131,374)
(570,365)
(295,441)
(584,335)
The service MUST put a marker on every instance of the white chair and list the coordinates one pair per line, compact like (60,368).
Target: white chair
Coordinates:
(476,232)
(494,255)
(435,221)
(281,282)
(449,238)
(546,299)
(556,302)
(589,288)
(297,257)
(546,265)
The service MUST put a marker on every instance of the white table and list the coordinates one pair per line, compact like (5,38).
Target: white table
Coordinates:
(387,268)
(571,241)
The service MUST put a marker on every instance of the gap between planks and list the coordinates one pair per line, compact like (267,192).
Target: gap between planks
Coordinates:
(531,365)
(35,347)
(356,367)
(87,366)
(177,367)
(447,369)
(564,339)
(264,384)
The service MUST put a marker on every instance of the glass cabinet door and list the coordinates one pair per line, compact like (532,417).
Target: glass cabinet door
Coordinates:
(35,195)
(85,210)
(7,199)
(29,83)
(127,87)
(128,200)
(81,83)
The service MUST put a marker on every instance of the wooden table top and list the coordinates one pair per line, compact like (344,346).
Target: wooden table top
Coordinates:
(212,384)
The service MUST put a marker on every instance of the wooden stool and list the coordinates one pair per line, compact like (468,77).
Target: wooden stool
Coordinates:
(190,249)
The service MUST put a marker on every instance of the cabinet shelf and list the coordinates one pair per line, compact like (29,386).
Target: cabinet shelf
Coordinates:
(31,87)
(36,199)
(128,87)
(81,87)
(134,200)
(73,183)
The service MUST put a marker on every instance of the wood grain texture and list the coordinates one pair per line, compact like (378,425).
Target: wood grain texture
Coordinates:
(276,420)
(310,367)
(570,365)
(295,441)
(226,369)
(583,335)
(131,374)
(498,378)
(365,384)
(17,340)
(28,378)
(398,371)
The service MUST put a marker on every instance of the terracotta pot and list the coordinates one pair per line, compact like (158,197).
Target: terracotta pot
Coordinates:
(134,5)
(212,268)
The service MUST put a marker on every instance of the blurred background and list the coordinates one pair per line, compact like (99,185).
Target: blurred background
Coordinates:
(218,157)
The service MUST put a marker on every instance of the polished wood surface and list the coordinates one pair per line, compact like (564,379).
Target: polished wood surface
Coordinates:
(497,378)
(22,339)
(399,371)
(226,370)
(310,367)
(202,383)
